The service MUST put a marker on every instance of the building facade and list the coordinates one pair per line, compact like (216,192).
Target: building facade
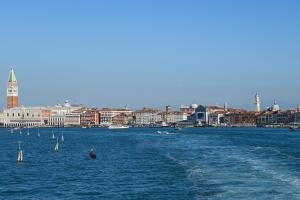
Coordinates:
(188,109)
(58,113)
(148,116)
(90,118)
(24,117)
(72,119)
(278,118)
(174,117)
(241,118)
(123,119)
(202,114)
(107,115)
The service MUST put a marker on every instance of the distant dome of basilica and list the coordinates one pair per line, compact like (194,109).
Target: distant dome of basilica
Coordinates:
(194,106)
(275,107)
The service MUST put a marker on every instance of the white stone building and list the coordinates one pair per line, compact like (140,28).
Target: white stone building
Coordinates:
(148,116)
(72,119)
(56,120)
(24,117)
(175,117)
(58,114)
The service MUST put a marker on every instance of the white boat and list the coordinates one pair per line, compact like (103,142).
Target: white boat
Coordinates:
(118,127)
(20,154)
(62,137)
(56,146)
(53,136)
(28,133)
(164,124)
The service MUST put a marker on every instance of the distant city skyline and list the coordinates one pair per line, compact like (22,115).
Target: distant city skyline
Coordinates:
(142,53)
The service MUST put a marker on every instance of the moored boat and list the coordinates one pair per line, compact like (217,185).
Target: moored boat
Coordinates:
(291,128)
(118,127)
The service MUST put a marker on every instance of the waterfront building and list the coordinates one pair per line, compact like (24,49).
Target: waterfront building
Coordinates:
(203,112)
(59,112)
(277,118)
(25,117)
(266,118)
(89,117)
(216,119)
(174,117)
(297,118)
(188,109)
(72,119)
(56,120)
(107,115)
(12,90)
(1,119)
(122,119)
(285,117)
(148,116)
(240,118)
(169,109)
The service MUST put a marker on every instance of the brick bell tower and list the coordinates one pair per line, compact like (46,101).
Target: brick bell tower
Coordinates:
(12,90)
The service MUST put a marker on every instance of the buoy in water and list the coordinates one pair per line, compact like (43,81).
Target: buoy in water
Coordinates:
(92,154)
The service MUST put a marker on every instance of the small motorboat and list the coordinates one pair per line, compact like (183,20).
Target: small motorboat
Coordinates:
(118,127)
(178,128)
(292,128)
(92,154)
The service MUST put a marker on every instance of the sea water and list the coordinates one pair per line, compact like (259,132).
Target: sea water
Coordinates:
(195,163)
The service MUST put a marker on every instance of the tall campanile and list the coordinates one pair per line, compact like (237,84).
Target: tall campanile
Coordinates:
(12,90)
(257,102)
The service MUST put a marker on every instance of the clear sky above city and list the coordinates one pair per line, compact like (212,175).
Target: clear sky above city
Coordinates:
(152,53)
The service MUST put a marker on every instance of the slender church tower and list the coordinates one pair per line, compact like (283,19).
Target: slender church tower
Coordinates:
(257,103)
(12,90)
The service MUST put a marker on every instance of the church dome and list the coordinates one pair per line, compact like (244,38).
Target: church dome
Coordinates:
(275,107)
(194,106)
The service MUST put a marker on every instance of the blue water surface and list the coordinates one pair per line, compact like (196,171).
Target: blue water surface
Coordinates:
(152,164)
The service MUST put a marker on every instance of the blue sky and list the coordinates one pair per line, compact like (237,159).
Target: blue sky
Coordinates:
(152,52)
